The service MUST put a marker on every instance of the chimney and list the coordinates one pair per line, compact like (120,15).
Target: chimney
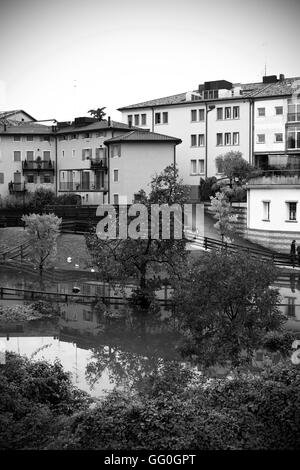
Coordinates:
(281,77)
(108,121)
(4,127)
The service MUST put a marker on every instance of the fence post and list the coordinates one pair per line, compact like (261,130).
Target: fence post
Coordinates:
(205,243)
(1,293)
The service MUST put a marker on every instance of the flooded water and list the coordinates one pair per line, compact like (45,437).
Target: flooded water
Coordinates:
(106,351)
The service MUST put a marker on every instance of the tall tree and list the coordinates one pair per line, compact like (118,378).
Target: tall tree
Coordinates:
(222,210)
(42,232)
(226,305)
(235,167)
(98,113)
(147,259)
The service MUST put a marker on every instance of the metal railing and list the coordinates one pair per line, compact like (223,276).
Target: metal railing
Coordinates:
(81,186)
(293,117)
(98,163)
(38,165)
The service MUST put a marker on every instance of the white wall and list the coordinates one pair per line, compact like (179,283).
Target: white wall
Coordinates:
(270,124)
(278,208)
(137,164)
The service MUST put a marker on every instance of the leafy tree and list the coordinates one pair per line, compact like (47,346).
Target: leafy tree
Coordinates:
(143,258)
(226,306)
(223,213)
(234,166)
(176,411)
(42,232)
(98,113)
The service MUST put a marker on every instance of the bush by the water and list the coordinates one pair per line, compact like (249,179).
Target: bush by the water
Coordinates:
(33,311)
(173,409)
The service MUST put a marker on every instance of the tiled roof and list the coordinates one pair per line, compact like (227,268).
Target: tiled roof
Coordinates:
(143,136)
(249,90)
(19,127)
(7,114)
(94,126)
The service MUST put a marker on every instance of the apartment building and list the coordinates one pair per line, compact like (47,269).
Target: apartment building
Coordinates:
(27,156)
(219,117)
(74,158)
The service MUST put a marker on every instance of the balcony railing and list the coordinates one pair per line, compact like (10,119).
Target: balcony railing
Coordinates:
(38,165)
(293,117)
(98,163)
(16,187)
(275,177)
(81,186)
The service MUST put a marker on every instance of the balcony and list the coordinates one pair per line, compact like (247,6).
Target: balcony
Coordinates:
(16,187)
(275,177)
(38,165)
(81,186)
(293,117)
(98,164)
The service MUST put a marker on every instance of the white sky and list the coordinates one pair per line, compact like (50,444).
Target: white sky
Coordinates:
(120,52)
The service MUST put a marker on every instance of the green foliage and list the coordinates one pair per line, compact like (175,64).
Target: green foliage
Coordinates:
(98,113)
(234,166)
(33,311)
(280,341)
(35,400)
(248,412)
(223,213)
(119,259)
(42,232)
(226,306)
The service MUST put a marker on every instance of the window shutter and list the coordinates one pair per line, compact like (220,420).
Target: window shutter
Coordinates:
(83,154)
(35,179)
(1,178)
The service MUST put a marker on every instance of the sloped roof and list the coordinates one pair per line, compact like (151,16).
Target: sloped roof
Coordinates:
(94,126)
(143,136)
(249,90)
(8,114)
(11,127)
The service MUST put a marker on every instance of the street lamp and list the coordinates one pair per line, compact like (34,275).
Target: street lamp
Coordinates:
(208,109)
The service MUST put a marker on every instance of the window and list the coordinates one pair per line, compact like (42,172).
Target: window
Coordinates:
(201,114)
(219,113)
(129,120)
(294,109)
(116,198)
(261,138)
(29,138)
(75,136)
(227,138)
(30,178)
(201,166)
(236,112)
(29,155)
(116,150)
(63,154)
(278,110)
(1,178)
(73,153)
(236,138)
(136,119)
(116,176)
(46,137)
(261,111)
(201,140)
(46,155)
(279,137)
(227,113)
(292,210)
(293,136)
(165,118)
(219,139)
(266,211)
(157,118)
(219,165)
(47,179)
(86,154)
(17,138)
(194,115)
(17,156)
(144,119)
(193,167)
(193,140)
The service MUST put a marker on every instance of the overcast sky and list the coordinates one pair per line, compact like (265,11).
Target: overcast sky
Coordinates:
(60,58)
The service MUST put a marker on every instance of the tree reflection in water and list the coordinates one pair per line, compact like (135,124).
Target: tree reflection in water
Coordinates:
(135,346)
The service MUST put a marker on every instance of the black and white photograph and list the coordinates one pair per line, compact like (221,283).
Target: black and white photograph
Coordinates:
(149,229)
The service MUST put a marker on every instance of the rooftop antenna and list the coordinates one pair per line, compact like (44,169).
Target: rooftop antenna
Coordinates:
(74,97)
